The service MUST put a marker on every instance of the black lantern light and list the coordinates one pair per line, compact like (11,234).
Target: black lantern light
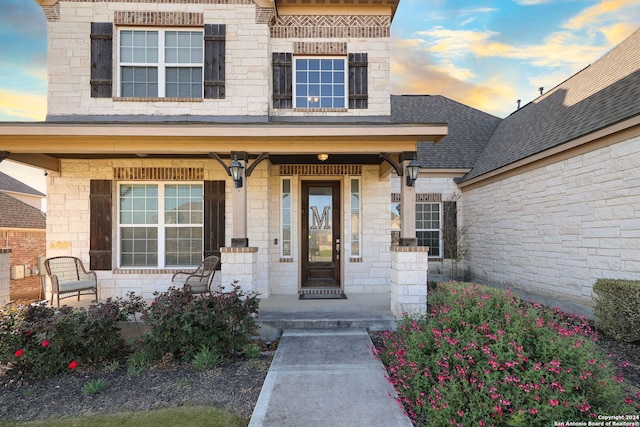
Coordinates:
(413,169)
(236,171)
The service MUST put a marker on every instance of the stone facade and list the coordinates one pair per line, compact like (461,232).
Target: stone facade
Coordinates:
(557,229)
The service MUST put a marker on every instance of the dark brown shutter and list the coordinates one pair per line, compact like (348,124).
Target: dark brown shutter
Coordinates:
(450,229)
(282,80)
(100,224)
(358,86)
(213,217)
(214,59)
(101,59)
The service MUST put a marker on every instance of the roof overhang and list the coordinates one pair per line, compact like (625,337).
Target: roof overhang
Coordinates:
(42,144)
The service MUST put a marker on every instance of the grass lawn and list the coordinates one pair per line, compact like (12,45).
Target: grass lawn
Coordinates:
(195,416)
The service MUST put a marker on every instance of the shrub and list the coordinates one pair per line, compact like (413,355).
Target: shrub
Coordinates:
(181,323)
(41,341)
(94,387)
(482,357)
(617,308)
(252,351)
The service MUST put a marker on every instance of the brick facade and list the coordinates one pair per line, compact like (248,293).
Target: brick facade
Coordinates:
(26,246)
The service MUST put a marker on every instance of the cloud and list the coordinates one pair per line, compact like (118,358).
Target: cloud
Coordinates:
(467,21)
(415,71)
(616,10)
(617,32)
(531,2)
(22,106)
(478,10)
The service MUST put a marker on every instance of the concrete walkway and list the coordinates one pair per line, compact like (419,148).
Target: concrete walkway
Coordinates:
(326,378)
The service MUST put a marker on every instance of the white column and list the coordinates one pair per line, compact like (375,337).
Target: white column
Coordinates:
(407,210)
(409,267)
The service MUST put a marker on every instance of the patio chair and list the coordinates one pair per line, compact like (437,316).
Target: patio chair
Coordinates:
(200,279)
(69,278)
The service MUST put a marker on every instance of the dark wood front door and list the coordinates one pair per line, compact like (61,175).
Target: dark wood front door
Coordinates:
(320,234)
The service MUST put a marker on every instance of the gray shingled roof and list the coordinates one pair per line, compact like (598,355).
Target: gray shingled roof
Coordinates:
(8,183)
(604,93)
(469,129)
(17,214)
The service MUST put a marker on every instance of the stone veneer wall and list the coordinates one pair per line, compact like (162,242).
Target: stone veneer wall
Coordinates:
(557,229)
(69,62)
(68,219)
(409,267)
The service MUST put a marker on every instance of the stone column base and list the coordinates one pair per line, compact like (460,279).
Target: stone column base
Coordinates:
(239,265)
(409,265)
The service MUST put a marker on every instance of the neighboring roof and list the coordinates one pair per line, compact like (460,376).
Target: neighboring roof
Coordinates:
(10,184)
(17,214)
(603,94)
(469,129)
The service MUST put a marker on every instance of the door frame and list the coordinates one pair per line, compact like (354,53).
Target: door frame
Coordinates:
(336,185)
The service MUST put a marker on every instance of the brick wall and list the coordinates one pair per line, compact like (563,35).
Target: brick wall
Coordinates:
(26,246)
(5,255)
(557,229)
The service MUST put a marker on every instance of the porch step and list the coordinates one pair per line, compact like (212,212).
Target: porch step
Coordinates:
(358,311)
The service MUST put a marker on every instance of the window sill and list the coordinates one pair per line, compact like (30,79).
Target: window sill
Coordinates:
(151,99)
(150,270)
(321,110)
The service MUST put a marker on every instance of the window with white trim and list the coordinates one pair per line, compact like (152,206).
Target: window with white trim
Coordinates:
(320,82)
(428,226)
(161,63)
(285,226)
(356,229)
(428,220)
(160,225)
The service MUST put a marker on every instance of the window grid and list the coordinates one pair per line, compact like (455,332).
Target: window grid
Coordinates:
(155,237)
(285,236)
(355,218)
(161,63)
(320,82)
(428,220)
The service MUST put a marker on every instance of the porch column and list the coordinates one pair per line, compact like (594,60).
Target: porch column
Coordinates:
(239,266)
(409,280)
(407,206)
(239,237)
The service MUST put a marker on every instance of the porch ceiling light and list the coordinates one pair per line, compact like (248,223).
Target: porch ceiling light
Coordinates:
(323,156)
(236,171)
(413,169)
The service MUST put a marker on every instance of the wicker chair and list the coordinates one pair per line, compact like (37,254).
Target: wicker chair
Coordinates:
(69,278)
(200,280)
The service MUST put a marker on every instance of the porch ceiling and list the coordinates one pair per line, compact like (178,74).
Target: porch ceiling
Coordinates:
(42,144)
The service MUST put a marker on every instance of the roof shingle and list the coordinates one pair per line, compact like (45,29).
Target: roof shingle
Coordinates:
(17,214)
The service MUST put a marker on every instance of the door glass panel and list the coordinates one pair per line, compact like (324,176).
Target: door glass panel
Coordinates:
(320,224)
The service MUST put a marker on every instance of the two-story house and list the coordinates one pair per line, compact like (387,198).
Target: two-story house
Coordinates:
(152,106)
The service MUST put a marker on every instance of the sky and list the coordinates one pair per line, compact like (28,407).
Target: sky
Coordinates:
(484,53)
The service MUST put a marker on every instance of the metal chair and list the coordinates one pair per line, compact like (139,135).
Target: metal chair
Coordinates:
(200,280)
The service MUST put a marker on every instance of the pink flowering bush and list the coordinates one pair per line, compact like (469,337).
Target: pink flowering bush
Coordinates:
(39,341)
(481,357)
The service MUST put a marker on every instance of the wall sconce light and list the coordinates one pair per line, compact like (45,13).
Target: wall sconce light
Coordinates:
(236,171)
(413,170)
(323,156)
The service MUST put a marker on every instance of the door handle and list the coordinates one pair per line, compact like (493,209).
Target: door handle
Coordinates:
(337,248)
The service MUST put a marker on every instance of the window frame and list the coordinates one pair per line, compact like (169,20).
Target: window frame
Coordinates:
(396,227)
(283,223)
(345,83)
(355,240)
(161,65)
(438,229)
(160,225)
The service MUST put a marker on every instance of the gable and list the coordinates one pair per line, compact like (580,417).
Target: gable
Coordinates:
(17,214)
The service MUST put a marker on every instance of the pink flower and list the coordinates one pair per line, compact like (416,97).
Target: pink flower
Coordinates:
(73,364)
(553,402)
(19,353)
(45,343)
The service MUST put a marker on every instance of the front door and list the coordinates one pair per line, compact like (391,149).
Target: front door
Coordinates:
(320,234)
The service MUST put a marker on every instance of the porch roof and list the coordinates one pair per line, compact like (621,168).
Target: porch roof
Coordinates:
(42,144)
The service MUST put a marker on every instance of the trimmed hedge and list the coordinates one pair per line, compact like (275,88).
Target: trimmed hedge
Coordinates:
(617,308)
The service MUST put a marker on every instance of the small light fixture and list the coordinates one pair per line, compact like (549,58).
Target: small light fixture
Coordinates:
(236,171)
(323,156)
(413,169)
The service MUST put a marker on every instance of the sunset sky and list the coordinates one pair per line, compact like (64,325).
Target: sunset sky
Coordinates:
(487,55)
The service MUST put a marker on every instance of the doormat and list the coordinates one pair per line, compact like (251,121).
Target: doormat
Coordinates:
(322,294)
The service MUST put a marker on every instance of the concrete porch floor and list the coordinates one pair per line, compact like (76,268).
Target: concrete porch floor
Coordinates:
(279,312)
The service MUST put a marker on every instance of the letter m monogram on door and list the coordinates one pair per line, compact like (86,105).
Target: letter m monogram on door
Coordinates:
(323,221)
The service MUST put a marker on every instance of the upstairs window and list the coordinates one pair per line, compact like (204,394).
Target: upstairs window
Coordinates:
(161,64)
(320,82)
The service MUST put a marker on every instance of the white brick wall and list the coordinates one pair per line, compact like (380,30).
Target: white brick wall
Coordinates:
(557,229)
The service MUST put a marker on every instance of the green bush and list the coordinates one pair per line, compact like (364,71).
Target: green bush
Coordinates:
(182,323)
(483,357)
(42,341)
(617,308)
